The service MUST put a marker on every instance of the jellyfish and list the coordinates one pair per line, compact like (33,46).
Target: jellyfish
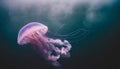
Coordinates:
(51,49)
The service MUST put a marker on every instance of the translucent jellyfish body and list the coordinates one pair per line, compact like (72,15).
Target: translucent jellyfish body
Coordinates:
(34,33)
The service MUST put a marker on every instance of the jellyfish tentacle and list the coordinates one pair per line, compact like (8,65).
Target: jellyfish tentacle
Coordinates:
(59,29)
(77,31)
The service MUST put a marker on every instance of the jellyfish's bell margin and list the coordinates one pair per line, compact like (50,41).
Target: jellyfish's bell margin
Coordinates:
(24,41)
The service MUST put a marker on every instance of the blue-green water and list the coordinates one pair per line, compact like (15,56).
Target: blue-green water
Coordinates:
(92,45)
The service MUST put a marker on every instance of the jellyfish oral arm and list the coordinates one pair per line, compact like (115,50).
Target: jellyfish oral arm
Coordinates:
(53,57)
(65,46)
(55,41)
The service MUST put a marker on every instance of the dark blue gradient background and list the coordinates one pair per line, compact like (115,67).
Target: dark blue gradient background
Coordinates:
(99,49)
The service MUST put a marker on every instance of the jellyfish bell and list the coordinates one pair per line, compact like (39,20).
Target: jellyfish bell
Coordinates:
(34,33)
(29,29)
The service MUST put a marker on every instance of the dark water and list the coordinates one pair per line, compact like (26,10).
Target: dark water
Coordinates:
(95,46)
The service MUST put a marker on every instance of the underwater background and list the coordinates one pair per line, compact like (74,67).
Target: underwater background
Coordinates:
(95,39)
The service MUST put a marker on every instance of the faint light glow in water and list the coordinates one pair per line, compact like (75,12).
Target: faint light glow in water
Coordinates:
(53,8)
(54,13)
(34,33)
